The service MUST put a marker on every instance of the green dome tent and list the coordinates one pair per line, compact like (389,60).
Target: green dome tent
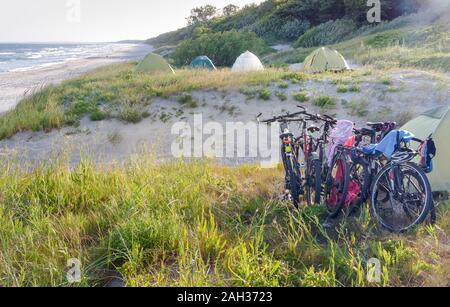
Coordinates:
(203,62)
(436,122)
(153,63)
(325,59)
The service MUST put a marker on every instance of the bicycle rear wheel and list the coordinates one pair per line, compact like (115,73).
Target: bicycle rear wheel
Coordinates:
(401,197)
(294,179)
(336,185)
(360,176)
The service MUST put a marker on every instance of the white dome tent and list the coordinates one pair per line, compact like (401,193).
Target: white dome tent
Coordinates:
(247,62)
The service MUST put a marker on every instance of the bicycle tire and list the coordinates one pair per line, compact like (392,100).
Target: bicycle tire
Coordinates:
(364,182)
(419,174)
(294,181)
(313,182)
(340,189)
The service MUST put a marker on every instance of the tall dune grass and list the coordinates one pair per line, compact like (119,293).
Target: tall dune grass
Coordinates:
(193,225)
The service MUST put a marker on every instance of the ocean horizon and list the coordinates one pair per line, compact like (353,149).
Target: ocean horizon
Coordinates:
(15,57)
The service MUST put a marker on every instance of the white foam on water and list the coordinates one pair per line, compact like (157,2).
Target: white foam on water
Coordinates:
(31,57)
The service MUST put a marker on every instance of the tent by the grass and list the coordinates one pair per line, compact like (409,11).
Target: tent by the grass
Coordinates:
(202,62)
(153,63)
(325,59)
(247,62)
(436,122)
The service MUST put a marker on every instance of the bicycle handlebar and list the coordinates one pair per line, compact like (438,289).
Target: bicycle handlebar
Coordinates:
(314,117)
(280,118)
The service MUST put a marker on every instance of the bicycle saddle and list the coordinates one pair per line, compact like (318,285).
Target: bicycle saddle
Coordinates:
(365,131)
(375,125)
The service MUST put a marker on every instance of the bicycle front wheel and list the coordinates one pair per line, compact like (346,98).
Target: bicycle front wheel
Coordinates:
(336,185)
(401,197)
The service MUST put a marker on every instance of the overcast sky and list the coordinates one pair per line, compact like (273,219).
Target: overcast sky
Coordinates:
(99,20)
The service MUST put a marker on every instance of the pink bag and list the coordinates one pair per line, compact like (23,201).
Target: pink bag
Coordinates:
(340,134)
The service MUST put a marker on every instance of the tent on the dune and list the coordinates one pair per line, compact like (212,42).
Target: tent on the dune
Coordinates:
(202,62)
(153,63)
(247,62)
(325,59)
(437,123)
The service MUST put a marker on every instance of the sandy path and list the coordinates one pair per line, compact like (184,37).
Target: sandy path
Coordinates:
(14,85)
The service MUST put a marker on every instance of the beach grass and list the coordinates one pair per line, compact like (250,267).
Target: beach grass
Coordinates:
(194,224)
(115,91)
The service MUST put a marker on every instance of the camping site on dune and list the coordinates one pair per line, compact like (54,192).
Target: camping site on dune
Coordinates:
(280,144)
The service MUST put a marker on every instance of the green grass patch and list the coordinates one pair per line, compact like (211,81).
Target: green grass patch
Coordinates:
(248,92)
(358,107)
(386,81)
(282,96)
(187,100)
(131,115)
(179,220)
(325,102)
(354,88)
(283,85)
(264,94)
(342,88)
(301,96)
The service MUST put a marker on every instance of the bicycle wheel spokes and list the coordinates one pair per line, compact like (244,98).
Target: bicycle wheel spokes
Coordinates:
(400,197)
(336,187)
(414,196)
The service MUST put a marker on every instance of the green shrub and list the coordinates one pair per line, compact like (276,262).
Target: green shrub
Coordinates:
(325,102)
(98,115)
(295,76)
(293,29)
(342,88)
(355,88)
(358,108)
(130,115)
(248,92)
(301,96)
(222,48)
(385,39)
(283,85)
(386,81)
(187,100)
(264,94)
(282,96)
(327,33)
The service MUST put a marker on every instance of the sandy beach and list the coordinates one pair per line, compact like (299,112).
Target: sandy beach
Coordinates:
(15,85)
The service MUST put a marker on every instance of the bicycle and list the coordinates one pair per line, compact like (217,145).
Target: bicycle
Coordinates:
(314,155)
(400,193)
(401,196)
(363,168)
(289,154)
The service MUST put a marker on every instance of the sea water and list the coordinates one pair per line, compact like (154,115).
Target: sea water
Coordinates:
(22,57)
